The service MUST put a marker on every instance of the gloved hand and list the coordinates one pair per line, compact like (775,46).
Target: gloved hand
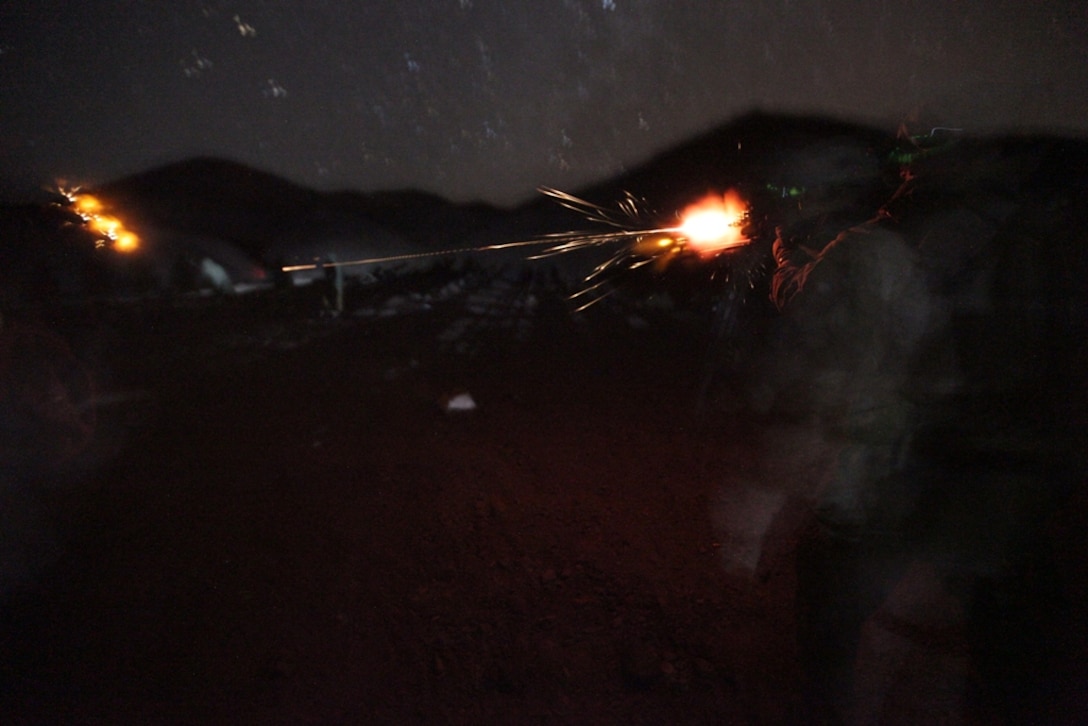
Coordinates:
(787,251)
(794,263)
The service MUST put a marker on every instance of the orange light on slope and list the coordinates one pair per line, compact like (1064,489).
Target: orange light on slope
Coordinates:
(105,224)
(126,242)
(714,223)
(87,205)
(91,209)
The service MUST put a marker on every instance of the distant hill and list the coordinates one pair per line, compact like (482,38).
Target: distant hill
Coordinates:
(242,217)
(248,207)
(227,200)
(748,152)
(760,154)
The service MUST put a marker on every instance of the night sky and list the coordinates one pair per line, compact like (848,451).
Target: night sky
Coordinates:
(488,99)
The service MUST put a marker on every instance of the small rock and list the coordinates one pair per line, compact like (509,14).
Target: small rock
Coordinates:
(458,403)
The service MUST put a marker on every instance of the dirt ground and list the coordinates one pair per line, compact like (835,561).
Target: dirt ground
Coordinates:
(279,523)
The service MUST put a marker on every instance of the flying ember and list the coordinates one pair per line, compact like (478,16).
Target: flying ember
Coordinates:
(707,228)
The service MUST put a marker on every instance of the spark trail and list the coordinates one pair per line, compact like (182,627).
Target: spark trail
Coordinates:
(707,229)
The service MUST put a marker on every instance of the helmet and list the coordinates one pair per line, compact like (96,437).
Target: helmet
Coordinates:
(821,187)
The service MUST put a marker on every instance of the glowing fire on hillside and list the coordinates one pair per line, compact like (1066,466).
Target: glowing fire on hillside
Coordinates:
(98,219)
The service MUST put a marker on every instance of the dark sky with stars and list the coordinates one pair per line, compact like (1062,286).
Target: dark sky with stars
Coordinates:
(488,99)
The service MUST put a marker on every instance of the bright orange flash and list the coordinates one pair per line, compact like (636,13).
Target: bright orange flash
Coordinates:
(714,223)
(90,208)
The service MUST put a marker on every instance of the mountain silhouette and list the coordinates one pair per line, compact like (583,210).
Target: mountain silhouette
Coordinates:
(224,199)
(248,207)
(747,153)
